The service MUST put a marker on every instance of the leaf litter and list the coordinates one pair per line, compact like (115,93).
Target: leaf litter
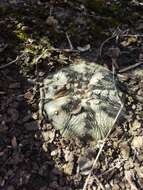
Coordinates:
(34,156)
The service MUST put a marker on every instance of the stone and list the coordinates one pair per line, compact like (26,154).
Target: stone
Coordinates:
(82,100)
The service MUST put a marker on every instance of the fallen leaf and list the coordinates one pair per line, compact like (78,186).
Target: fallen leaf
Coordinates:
(136,125)
(130,40)
(68,168)
(137,142)
(69,157)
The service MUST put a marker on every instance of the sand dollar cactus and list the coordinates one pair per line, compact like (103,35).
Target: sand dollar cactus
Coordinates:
(81,100)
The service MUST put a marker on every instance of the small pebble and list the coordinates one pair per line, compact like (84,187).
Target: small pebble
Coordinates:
(54,153)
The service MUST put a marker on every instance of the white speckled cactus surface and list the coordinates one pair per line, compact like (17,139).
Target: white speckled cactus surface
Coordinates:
(81,100)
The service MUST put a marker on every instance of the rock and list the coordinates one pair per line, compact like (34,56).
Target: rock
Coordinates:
(81,100)
(54,153)
(133,106)
(107,186)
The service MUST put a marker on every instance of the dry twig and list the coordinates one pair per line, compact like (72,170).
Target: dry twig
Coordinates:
(103,43)
(115,34)
(105,139)
(117,166)
(99,183)
(129,177)
(10,63)
(69,41)
(130,67)
(64,50)
(101,148)
(132,35)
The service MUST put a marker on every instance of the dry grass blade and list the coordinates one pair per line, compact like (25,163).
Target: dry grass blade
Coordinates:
(101,148)
(99,183)
(129,178)
(11,62)
(114,35)
(130,67)
(69,41)
(102,45)
(118,165)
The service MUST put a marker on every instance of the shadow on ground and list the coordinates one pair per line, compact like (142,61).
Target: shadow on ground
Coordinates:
(23,163)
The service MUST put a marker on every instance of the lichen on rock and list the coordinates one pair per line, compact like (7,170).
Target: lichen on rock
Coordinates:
(81,100)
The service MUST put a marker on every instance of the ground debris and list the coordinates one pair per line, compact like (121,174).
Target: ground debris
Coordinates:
(40,38)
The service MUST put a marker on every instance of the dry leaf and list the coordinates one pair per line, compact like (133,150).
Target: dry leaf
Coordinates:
(130,40)
(69,157)
(136,125)
(137,142)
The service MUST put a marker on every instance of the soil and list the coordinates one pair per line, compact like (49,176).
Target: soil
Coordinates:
(45,36)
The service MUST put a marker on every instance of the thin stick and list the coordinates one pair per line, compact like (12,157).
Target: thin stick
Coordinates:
(51,10)
(101,147)
(103,43)
(10,63)
(131,35)
(64,50)
(116,33)
(114,167)
(130,67)
(99,183)
(69,41)
(37,74)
